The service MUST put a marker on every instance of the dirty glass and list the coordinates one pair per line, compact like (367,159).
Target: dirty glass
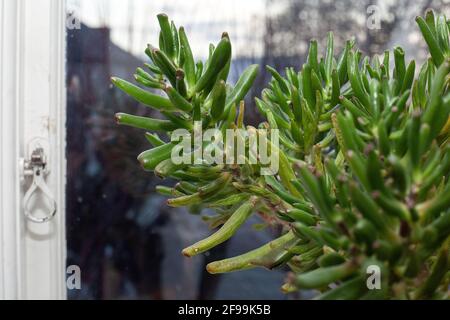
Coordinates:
(120,233)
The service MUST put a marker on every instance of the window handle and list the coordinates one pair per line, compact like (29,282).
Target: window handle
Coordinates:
(36,168)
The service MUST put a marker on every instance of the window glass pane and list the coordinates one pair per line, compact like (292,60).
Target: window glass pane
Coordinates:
(125,239)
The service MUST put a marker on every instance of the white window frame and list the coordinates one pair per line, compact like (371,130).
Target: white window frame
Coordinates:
(32,104)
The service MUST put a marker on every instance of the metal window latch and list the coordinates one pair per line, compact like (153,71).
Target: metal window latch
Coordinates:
(36,168)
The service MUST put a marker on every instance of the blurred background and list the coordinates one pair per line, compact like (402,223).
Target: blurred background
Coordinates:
(125,240)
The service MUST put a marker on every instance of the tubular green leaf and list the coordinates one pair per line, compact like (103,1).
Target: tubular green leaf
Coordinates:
(218,61)
(178,100)
(265,256)
(167,35)
(143,96)
(324,276)
(144,122)
(279,79)
(189,64)
(225,232)
(433,45)
(219,96)
(242,86)
(151,158)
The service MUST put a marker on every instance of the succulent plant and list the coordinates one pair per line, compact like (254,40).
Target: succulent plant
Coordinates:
(364,161)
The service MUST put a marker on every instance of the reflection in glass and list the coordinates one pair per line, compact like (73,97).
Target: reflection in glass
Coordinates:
(125,239)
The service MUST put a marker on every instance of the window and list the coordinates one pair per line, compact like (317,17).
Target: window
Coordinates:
(112,236)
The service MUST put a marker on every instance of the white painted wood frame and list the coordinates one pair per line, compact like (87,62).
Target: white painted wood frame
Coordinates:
(32,104)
